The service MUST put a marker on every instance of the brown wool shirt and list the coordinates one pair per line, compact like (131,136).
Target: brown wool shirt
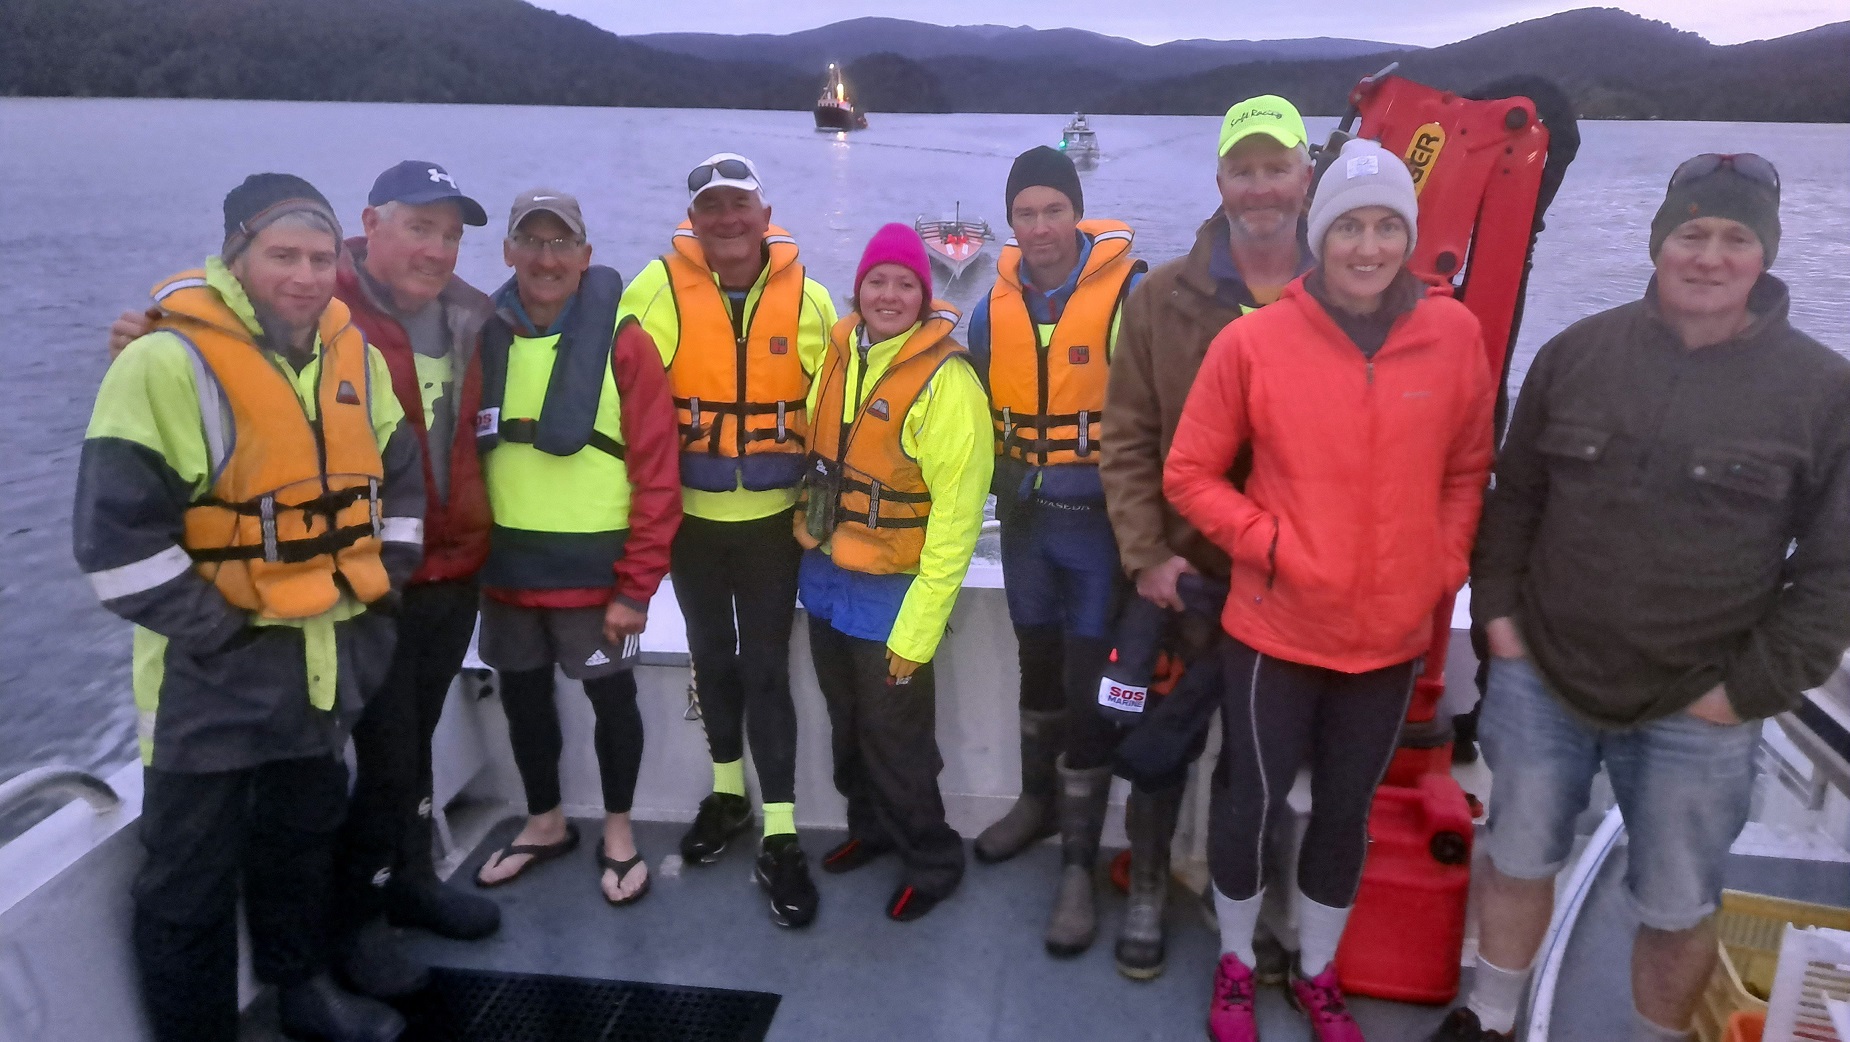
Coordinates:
(1666,519)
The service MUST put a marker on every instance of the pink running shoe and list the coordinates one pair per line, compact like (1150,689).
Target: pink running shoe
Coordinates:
(1230,1017)
(1321,999)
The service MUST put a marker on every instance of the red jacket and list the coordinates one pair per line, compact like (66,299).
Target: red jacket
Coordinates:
(456,526)
(652,434)
(1368,476)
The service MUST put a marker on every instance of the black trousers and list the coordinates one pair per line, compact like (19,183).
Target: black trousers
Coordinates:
(1060,674)
(387,827)
(533,730)
(269,831)
(1277,716)
(745,571)
(885,742)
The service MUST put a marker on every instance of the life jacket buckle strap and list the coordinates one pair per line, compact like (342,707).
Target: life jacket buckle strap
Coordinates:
(873,504)
(1085,430)
(372,502)
(783,430)
(267,511)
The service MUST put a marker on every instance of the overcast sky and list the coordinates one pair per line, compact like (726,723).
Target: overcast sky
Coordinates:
(1420,22)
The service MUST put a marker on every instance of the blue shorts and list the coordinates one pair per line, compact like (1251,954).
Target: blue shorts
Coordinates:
(1060,568)
(1683,786)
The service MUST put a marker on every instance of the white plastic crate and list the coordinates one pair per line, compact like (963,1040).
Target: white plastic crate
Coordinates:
(1814,966)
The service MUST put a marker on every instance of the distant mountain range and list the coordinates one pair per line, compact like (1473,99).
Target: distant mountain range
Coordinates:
(1111,55)
(1612,64)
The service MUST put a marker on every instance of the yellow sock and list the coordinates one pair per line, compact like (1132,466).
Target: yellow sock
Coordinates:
(729,778)
(780,819)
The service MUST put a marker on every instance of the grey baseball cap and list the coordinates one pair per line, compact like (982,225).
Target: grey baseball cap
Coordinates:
(562,205)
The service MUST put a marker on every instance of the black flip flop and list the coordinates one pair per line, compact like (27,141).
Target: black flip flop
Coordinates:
(536,853)
(622,869)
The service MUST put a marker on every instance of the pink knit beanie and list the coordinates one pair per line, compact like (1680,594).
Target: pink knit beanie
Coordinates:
(895,244)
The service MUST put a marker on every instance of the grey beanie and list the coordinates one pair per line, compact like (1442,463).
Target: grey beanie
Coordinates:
(1364,174)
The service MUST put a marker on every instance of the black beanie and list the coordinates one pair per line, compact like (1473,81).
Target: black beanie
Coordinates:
(1047,168)
(1724,193)
(255,203)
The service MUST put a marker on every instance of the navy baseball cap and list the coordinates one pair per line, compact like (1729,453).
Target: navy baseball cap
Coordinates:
(417,182)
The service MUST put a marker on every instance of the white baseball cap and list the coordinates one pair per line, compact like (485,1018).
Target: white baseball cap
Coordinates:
(724,170)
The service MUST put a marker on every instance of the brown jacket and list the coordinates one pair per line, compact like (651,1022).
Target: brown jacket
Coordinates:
(1666,519)
(1169,319)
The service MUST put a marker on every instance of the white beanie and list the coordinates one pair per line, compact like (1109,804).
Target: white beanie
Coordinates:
(1364,174)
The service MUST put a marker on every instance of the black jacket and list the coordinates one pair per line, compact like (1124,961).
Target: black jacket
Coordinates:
(1666,519)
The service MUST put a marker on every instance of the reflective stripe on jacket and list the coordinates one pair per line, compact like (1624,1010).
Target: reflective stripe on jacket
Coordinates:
(294,509)
(739,386)
(219,688)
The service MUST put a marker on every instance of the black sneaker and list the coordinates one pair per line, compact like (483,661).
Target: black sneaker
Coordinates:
(783,872)
(721,817)
(850,855)
(1461,1025)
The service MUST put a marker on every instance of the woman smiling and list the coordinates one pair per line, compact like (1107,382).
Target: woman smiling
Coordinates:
(1367,407)
(900,462)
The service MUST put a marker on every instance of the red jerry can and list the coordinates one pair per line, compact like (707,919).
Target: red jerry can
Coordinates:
(1408,928)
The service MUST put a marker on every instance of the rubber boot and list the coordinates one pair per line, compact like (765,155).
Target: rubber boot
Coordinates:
(1032,817)
(318,1008)
(415,897)
(1073,924)
(1150,822)
(377,964)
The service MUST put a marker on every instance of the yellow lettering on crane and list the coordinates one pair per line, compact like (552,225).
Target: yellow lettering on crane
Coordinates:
(1423,152)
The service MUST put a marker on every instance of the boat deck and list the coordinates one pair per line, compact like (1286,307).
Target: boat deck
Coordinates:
(972,970)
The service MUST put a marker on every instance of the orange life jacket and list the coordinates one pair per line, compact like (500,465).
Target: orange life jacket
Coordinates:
(293,511)
(1048,396)
(753,377)
(884,505)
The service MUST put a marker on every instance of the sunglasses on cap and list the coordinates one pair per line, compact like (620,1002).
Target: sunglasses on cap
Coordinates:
(1747,164)
(730,169)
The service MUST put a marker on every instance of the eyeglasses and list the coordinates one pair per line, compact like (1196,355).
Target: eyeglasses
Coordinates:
(1747,164)
(534,246)
(730,169)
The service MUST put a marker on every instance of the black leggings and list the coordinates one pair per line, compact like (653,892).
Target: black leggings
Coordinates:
(533,729)
(1059,674)
(1277,716)
(743,570)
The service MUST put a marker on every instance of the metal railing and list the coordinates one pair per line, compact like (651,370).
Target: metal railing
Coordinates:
(39,782)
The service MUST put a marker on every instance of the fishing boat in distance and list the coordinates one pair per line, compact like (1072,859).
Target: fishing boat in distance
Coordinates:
(1080,142)
(956,243)
(835,109)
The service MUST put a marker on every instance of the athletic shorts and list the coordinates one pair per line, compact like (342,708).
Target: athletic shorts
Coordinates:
(517,639)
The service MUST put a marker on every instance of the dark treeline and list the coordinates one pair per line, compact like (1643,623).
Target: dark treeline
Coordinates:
(1612,64)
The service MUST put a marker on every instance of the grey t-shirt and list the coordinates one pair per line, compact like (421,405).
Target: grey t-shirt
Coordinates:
(429,334)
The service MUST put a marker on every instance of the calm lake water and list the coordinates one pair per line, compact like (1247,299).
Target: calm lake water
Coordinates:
(99,199)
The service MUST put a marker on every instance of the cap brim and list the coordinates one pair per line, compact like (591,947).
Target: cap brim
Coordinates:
(728,182)
(1284,137)
(576,224)
(472,212)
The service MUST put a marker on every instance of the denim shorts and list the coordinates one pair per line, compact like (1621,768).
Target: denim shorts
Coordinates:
(1683,786)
